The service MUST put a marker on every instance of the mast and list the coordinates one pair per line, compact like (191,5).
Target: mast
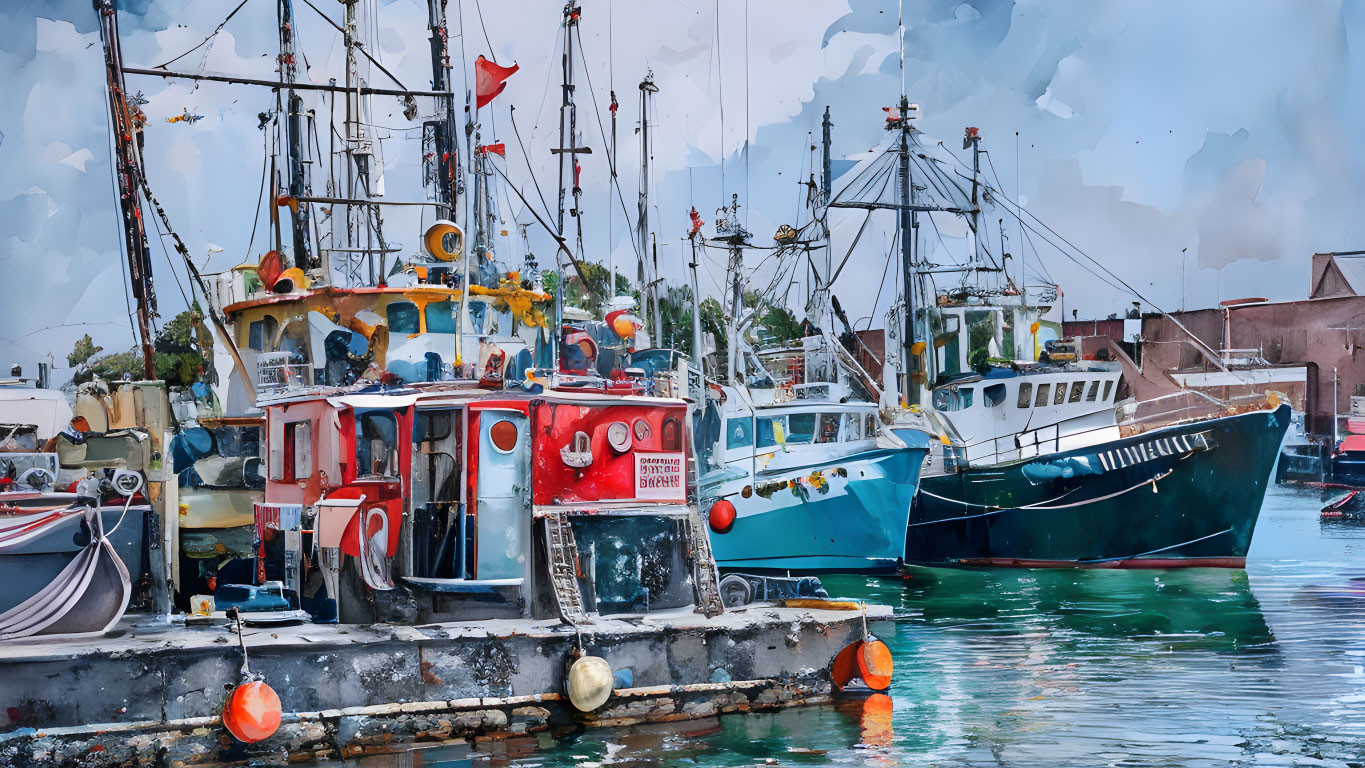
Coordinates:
(696,313)
(735,270)
(826,180)
(907,235)
(649,289)
(568,130)
(127,128)
(611,251)
(293,112)
(973,139)
(447,182)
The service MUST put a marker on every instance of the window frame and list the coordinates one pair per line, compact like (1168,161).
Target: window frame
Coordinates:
(747,422)
(1041,398)
(993,395)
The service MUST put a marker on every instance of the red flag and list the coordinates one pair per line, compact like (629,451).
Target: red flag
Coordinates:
(497,149)
(696,222)
(488,80)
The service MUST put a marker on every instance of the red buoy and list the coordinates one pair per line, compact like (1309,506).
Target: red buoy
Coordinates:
(722,516)
(252,712)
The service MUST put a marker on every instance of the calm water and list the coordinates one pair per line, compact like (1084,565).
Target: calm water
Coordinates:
(1062,668)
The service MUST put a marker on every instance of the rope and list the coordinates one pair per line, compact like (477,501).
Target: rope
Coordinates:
(1153,481)
(1157,551)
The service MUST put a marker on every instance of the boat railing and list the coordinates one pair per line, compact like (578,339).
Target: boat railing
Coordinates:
(1186,406)
(278,371)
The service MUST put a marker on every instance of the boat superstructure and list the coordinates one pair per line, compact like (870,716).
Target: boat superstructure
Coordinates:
(1053,451)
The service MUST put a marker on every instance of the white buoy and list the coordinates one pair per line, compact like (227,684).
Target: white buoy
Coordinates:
(589,683)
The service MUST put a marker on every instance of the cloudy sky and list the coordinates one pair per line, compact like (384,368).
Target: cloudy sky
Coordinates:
(1135,130)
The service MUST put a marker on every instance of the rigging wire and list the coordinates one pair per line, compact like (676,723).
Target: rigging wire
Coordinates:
(611,164)
(484,27)
(720,99)
(212,35)
(890,257)
(512,114)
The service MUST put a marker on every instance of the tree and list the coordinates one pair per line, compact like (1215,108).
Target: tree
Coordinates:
(84,350)
(183,349)
(593,296)
(780,325)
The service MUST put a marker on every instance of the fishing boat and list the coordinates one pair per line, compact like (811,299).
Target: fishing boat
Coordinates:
(794,469)
(1055,452)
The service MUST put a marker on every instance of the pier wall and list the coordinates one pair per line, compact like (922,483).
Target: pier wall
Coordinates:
(153,697)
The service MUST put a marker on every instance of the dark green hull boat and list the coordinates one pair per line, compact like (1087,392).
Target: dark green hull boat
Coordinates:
(1186,495)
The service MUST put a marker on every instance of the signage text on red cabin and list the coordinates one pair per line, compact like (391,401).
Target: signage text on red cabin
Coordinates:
(660,476)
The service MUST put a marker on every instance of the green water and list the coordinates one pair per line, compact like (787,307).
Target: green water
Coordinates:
(1067,668)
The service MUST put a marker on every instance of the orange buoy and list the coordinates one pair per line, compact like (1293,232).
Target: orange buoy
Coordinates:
(252,712)
(866,660)
(722,516)
(875,664)
(844,667)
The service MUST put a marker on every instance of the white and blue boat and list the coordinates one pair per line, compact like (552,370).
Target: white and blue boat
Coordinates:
(813,484)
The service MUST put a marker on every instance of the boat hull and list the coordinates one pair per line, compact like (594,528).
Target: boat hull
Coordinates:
(856,526)
(1183,496)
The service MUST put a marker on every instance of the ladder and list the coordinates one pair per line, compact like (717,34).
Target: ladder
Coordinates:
(704,565)
(562,550)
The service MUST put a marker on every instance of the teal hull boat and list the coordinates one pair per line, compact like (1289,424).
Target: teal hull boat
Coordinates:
(850,519)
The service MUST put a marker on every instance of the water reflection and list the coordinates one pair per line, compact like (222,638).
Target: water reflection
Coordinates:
(1191,668)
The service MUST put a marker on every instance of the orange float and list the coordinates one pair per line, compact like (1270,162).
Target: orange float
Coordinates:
(875,664)
(252,712)
(866,660)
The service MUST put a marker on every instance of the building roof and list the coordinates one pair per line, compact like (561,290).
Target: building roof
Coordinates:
(1343,274)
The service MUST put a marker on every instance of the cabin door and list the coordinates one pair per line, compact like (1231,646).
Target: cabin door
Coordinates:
(439,530)
(503,520)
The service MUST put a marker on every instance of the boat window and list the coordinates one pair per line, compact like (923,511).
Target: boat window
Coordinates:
(299,436)
(261,334)
(1060,397)
(1076,389)
(442,316)
(855,427)
(771,431)
(1025,394)
(632,564)
(1108,386)
(829,428)
(432,426)
(376,445)
(402,317)
(1041,400)
(670,434)
(1094,390)
(870,426)
(739,432)
(994,394)
(802,427)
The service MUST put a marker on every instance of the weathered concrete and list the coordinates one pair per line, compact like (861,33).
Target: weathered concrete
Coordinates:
(150,695)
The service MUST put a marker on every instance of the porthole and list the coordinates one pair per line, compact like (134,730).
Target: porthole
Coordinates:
(503,436)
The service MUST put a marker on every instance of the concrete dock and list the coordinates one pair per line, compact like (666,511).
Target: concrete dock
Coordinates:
(151,694)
